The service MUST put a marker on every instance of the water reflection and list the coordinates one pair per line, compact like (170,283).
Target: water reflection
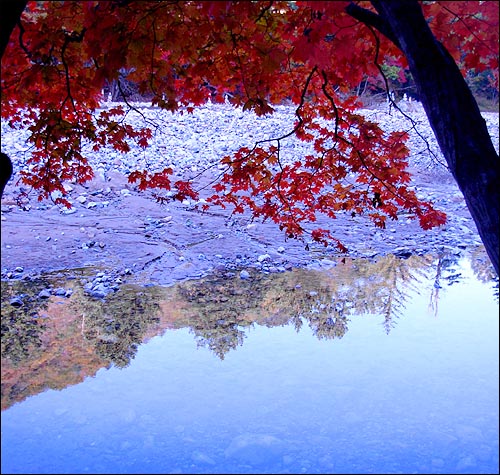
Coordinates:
(118,327)
(22,325)
(57,342)
(315,384)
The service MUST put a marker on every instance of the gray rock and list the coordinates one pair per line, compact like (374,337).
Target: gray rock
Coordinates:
(88,286)
(402,252)
(100,294)
(44,294)
(16,302)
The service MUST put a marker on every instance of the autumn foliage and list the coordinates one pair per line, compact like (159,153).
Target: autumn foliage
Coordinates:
(181,54)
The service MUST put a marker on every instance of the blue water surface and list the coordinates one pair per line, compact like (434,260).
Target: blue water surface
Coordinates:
(422,399)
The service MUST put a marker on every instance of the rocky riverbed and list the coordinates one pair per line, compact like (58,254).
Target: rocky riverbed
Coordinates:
(127,236)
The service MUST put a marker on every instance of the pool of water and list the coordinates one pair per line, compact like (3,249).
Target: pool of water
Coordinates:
(383,367)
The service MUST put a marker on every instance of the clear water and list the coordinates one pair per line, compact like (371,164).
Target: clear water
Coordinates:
(416,393)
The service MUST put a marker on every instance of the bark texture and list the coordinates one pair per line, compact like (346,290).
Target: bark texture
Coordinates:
(451,109)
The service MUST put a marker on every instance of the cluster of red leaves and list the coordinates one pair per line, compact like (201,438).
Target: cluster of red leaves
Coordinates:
(182,54)
(357,169)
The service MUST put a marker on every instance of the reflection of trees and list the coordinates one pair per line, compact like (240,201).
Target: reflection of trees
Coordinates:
(82,334)
(216,306)
(219,308)
(356,287)
(21,325)
(313,302)
(118,324)
(383,287)
(483,270)
(445,271)
(78,336)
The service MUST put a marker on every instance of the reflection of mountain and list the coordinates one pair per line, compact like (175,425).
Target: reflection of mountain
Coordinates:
(63,341)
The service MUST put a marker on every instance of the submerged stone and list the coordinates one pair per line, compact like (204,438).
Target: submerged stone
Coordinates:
(256,449)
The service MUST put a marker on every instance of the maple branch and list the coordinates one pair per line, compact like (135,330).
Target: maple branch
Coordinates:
(332,102)
(301,104)
(135,109)
(370,18)
(391,100)
(351,144)
(460,19)
(274,139)
(263,11)
(285,203)
(29,54)
(66,70)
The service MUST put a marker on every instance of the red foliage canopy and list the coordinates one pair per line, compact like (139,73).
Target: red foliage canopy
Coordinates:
(183,53)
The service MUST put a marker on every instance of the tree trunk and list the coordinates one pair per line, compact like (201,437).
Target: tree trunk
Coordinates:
(11,11)
(451,109)
(5,171)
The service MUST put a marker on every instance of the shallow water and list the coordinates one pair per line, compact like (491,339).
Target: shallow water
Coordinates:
(368,367)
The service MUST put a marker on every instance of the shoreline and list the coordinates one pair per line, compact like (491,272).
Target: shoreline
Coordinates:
(113,225)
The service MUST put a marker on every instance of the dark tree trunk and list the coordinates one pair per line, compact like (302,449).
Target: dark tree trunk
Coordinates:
(451,109)
(10,13)
(5,171)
